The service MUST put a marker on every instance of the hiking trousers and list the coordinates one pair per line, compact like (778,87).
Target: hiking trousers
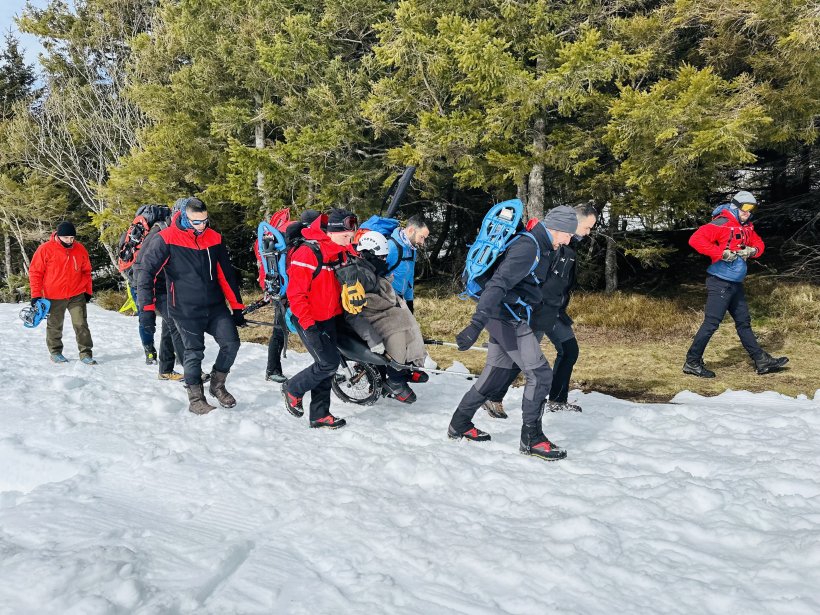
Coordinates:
(76,307)
(317,378)
(513,346)
(723,296)
(217,322)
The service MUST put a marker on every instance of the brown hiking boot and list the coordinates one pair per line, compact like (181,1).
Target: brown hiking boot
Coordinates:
(218,390)
(495,409)
(172,375)
(196,399)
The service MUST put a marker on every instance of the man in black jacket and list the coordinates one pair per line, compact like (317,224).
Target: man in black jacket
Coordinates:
(553,321)
(507,302)
(199,278)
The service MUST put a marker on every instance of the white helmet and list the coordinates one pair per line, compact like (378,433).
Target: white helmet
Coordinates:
(373,241)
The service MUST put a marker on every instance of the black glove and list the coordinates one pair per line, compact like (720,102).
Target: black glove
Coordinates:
(87,297)
(34,301)
(239,318)
(469,335)
(148,321)
(410,306)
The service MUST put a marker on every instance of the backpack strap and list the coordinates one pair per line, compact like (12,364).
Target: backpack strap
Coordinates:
(317,252)
(401,257)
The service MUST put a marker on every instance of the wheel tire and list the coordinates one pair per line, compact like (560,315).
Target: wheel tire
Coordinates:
(364,388)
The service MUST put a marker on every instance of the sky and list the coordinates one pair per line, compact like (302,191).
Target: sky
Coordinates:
(9,9)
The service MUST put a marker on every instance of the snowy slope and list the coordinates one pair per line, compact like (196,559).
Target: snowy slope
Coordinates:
(114,499)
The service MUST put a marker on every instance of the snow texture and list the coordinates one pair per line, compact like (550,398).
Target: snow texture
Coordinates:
(115,499)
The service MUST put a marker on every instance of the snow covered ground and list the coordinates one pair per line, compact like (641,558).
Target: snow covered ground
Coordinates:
(114,499)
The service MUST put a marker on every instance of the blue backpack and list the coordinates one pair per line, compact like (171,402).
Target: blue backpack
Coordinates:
(33,315)
(499,229)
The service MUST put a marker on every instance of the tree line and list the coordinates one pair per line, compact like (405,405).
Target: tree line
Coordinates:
(652,110)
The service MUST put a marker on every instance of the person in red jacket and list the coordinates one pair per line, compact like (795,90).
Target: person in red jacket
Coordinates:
(61,272)
(314,294)
(728,240)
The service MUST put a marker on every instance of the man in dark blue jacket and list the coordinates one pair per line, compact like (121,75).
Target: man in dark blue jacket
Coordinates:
(199,278)
(504,309)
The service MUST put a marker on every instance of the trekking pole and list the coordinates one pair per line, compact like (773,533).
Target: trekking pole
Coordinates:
(429,342)
(256,305)
(259,323)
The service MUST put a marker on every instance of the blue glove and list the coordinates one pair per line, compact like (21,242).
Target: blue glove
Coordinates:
(469,335)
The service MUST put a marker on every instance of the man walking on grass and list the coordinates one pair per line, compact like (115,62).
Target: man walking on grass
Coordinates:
(728,240)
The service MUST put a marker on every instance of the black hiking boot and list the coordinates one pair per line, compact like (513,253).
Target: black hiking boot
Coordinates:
(562,406)
(218,390)
(150,354)
(399,391)
(536,444)
(328,422)
(476,435)
(495,409)
(196,399)
(292,404)
(697,368)
(275,376)
(768,364)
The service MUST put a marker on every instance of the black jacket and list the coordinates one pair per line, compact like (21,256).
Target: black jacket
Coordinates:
(199,274)
(556,289)
(511,284)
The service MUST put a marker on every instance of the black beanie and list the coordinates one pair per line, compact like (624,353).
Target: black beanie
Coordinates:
(336,220)
(309,215)
(66,229)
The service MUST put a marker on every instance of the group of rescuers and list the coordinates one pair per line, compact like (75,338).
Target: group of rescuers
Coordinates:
(183,272)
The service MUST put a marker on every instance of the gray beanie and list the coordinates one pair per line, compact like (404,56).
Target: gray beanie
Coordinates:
(562,218)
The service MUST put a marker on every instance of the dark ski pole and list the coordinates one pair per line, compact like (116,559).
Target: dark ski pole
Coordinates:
(430,342)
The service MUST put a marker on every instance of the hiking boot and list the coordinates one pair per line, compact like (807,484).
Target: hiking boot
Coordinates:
(562,406)
(536,444)
(275,376)
(400,392)
(218,390)
(419,377)
(57,357)
(204,376)
(767,363)
(172,375)
(697,368)
(495,409)
(196,399)
(292,404)
(328,422)
(474,434)
(88,361)
(150,354)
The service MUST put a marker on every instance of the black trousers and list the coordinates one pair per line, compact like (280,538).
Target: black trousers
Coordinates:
(218,323)
(723,296)
(317,378)
(171,347)
(275,345)
(513,347)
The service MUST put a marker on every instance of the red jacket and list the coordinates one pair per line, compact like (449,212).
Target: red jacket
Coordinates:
(58,272)
(725,232)
(314,299)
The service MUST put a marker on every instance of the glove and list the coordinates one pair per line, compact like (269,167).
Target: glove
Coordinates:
(378,348)
(239,318)
(469,335)
(729,256)
(410,306)
(353,298)
(746,252)
(34,301)
(148,321)
(87,297)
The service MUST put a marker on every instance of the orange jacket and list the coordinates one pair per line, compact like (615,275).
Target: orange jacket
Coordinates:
(58,272)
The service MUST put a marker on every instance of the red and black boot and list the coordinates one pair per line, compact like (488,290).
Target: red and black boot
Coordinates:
(400,392)
(292,404)
(418,377)
(536,444)
(328,422)
(474,434)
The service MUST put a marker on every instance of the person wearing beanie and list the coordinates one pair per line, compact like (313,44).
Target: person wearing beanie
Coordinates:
(315,299)
(200,280)
(553,321)
(728,240)
(60,271)
(511,297)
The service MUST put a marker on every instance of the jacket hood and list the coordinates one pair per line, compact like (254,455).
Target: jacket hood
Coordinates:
(314,230)
(729,212)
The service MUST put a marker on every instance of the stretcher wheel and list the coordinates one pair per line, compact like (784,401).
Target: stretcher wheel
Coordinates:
(357,383)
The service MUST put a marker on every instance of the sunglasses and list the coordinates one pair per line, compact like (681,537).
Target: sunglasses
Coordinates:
(198,222)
